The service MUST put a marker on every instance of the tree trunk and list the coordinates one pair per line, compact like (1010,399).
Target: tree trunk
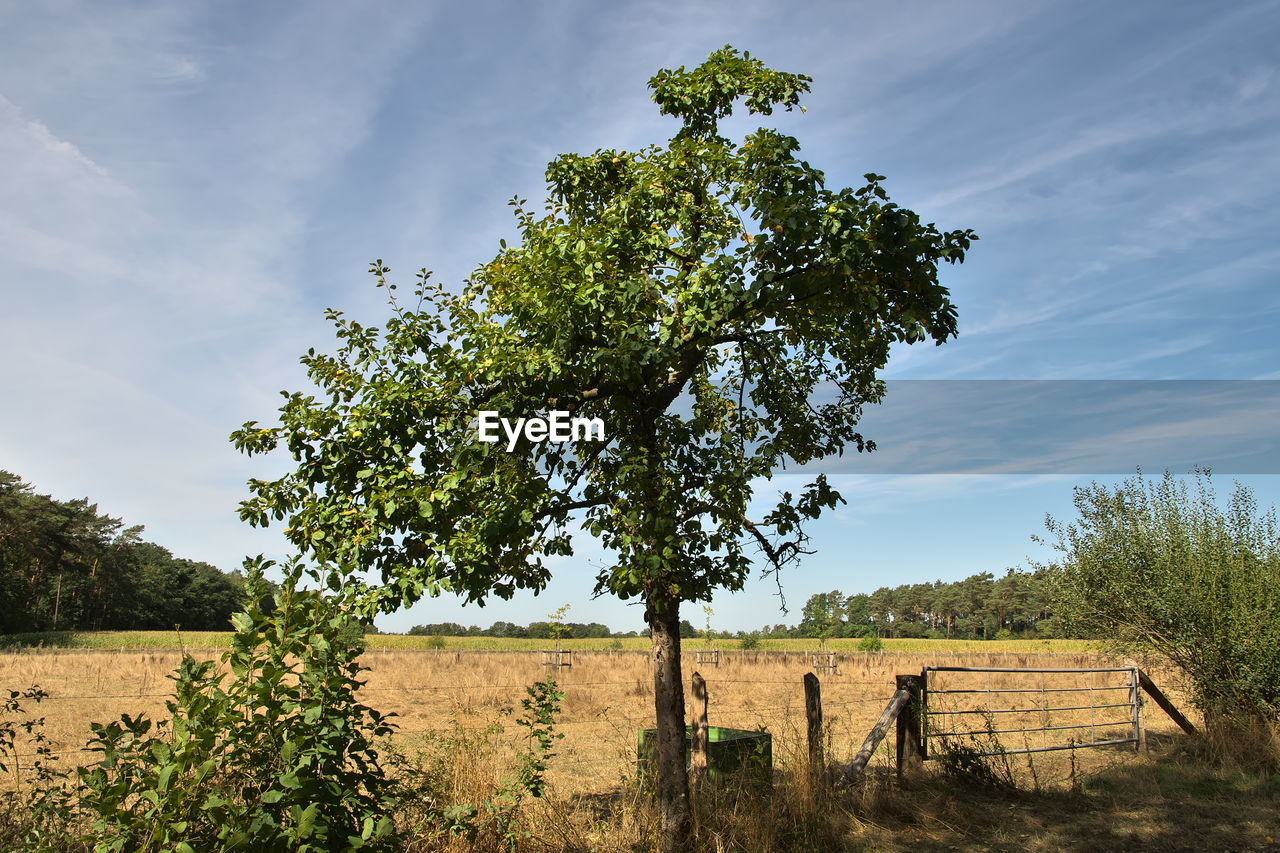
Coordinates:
(663,617)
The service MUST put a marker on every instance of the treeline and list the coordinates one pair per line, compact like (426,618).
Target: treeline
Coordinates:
(534,630)
(65,566)
(980,607)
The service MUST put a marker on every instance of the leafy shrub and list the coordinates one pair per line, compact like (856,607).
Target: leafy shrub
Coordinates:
(280,758)
(870,642)
(44,816)
(749,641)
(1156,567)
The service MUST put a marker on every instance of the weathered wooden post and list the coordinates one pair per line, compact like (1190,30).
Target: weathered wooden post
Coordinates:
(910,750)
(857,767)
(698,750)
(813,714)
(1165,705)
(557,658)
(1135,696)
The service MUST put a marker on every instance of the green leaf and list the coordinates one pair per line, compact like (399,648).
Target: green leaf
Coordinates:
(165,777)
(307,820)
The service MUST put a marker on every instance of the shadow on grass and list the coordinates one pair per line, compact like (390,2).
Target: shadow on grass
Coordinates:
(1169,800)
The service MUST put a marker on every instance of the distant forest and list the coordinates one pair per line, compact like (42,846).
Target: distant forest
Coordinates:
(980,607)
(66,567)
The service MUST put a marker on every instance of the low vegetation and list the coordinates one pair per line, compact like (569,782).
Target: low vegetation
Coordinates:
(469,770)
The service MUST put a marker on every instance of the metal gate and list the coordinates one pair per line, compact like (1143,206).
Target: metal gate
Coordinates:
(945,713)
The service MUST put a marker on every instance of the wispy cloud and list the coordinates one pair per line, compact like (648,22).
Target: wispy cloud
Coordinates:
(163,243)
(187,188)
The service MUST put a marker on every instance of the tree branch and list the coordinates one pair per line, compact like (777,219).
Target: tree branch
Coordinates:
(569,506)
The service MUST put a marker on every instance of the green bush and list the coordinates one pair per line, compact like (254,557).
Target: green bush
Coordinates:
(870,642)
(279,758)
(44,817)
(1158,568)
(749,641)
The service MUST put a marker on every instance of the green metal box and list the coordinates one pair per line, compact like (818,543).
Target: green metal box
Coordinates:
(748,754)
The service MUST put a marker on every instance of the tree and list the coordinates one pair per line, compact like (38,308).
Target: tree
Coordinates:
(880,609)
(822,615)
(857,615)
(555,619)
(1154,566)
(712,303)
(64,566)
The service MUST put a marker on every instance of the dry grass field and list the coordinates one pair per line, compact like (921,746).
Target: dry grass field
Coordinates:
(608,697)
(456,711)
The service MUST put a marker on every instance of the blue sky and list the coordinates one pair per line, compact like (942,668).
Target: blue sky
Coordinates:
(186,188)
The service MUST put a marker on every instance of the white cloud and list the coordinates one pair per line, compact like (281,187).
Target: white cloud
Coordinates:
(149,267)
(186,187)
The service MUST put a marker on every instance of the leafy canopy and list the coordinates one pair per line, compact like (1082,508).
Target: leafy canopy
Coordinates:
(712,301)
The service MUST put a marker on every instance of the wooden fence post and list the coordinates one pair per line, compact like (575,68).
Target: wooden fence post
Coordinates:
(857,767)
(1135,697)
(1165,705)
(698,751)
(909,748)
(813,714)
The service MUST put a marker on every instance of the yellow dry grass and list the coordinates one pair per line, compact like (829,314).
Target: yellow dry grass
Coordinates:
(608,696)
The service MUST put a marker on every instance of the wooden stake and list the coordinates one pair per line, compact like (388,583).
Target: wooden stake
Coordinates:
(1135,696)
(858,766)
(1164,703)
(909,750)
(813,714)
(698,751)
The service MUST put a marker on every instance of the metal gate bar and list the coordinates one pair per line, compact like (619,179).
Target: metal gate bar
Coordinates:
(1043,729)
(1032,710)
(1134,703)
(1034,690)
(1019,669)
(1064,746)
